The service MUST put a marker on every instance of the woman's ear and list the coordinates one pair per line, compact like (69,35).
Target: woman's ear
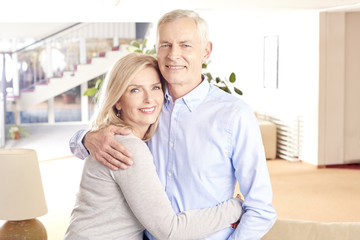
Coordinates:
(118,106)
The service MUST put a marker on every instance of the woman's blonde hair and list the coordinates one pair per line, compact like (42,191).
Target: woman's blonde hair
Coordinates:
(116,82)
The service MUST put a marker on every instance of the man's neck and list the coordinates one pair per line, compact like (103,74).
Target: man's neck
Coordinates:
(177,91)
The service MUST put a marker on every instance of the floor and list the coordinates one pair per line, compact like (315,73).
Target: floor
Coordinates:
(60,171)
(301,191)
(49,141)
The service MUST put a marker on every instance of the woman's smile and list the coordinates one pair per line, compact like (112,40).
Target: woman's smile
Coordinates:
(149,110)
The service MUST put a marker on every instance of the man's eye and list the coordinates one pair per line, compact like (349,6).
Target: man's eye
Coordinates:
(157,88)
(164,45)
(187,45)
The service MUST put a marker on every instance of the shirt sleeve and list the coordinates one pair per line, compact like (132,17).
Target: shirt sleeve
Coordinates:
(252,174)
(76,145)
(148,201)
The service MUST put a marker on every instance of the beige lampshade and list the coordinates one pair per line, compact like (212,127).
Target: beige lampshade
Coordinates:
(21,190)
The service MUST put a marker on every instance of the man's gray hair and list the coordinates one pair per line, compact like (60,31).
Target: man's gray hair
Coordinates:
(201,24)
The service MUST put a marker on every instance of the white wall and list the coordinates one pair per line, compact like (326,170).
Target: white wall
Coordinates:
(312,73)
(339,112)
(352,88)
(240,49)
(331,83)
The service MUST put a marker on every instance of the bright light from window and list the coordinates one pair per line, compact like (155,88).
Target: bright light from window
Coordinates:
(9,67)
(24,66)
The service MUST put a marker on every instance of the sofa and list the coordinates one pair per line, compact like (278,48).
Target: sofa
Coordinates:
(285,229)
(268,134)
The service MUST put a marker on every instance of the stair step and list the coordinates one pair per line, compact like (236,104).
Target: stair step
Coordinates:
(28,89)
(68,79)
(43,82)
(115,48)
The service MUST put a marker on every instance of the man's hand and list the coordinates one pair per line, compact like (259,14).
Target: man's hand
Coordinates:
(104,148)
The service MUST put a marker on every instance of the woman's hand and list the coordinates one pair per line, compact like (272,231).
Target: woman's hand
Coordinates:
(104,148)
(235,224)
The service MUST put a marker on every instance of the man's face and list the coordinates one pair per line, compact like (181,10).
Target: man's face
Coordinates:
(181,54)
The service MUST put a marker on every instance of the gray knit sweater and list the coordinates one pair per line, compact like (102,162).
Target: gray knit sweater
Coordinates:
(121,204)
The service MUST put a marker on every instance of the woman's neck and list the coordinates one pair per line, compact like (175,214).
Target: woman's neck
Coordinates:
(140,133)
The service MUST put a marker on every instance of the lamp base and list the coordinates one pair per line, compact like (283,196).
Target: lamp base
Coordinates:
(31,229)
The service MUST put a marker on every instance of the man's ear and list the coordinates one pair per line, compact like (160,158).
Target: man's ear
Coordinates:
(207,52)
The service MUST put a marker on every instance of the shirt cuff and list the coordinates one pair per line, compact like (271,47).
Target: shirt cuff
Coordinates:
(76,145)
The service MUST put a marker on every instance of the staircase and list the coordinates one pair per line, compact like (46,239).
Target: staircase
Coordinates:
(69,79)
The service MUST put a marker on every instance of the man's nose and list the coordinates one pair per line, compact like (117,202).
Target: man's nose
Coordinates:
(174,52)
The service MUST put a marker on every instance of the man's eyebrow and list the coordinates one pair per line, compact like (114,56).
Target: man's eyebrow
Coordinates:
(182,41)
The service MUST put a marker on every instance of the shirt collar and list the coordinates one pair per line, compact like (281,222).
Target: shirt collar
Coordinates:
(193,98)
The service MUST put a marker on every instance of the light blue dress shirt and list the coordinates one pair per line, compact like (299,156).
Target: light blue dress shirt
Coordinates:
(205,142)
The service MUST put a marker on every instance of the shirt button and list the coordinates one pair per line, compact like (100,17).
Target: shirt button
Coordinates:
(171,144)
(169,174)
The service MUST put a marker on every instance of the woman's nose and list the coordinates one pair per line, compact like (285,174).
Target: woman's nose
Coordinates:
(147,97)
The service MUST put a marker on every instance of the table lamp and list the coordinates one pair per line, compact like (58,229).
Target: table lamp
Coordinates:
(21,195)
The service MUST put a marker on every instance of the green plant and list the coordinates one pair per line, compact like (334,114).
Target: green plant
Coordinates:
(15,131)
(140,47)
(94,91)
(223,84)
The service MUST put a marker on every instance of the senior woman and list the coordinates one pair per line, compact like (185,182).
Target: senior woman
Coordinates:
(122,204)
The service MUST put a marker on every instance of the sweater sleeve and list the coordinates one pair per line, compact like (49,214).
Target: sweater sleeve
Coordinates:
(148,201)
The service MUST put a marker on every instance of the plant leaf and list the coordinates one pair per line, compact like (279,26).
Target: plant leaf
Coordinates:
(135,44)
(131,48)
(144,44)
(232,77)
(98,83)
(90,92)
(226,89)
(238,91)
(217,79)
(208,76)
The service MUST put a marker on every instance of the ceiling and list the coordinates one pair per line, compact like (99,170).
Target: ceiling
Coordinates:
(24,20)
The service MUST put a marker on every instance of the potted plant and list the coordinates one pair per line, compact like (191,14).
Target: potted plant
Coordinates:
(224,84)
(15,131)
(94,91)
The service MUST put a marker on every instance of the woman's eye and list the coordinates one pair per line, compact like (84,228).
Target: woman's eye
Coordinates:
(134,90)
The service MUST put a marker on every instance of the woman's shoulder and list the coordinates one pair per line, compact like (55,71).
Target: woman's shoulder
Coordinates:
(132,143)
(128,138)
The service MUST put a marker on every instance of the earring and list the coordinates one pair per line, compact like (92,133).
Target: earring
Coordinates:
(118,113)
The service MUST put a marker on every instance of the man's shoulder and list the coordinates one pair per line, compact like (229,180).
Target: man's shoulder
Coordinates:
(227,100)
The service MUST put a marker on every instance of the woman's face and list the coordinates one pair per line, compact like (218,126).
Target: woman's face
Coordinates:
(141,103)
